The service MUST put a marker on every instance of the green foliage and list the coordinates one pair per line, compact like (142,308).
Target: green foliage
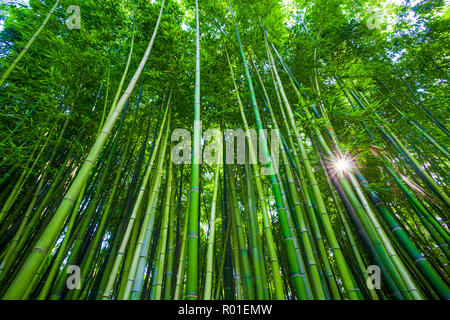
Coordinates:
(354,81)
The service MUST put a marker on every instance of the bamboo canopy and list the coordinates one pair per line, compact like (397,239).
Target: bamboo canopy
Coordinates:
(224,150)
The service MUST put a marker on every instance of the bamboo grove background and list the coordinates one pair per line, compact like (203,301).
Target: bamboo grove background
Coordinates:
(86,176)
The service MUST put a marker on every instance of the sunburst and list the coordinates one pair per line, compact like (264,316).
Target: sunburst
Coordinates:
(340,165)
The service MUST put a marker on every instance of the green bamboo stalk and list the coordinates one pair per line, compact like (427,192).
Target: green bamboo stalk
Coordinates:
(183,255)
(192,235)
(240,241)
(164,234)
(207,295)
(136,208)
(171,248)
(341,264)
(287,236)
(34,260)
(299,214)
(262,199)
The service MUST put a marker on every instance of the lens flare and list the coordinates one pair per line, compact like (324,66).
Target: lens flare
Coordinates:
(341,165)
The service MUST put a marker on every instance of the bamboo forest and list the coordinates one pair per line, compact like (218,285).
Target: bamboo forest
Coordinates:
(224,150)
